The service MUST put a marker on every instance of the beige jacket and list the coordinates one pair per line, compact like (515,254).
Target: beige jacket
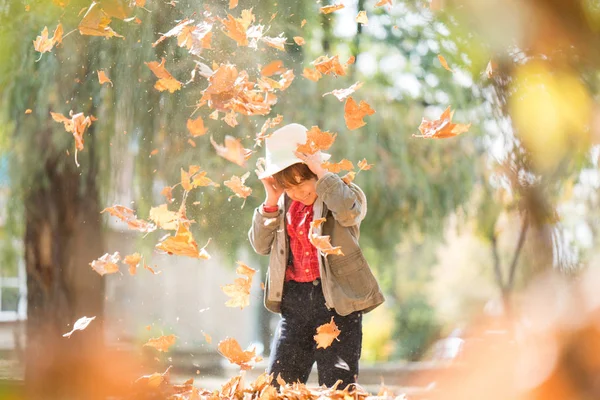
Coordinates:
(347,281)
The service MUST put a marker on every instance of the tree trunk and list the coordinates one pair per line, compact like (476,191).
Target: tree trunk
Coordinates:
(63,234)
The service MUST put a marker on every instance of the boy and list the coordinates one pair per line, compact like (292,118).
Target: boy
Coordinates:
(306,287)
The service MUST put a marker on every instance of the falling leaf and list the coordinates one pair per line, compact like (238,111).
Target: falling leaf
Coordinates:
(302,23)
(383,3)
(444,62)
(236,184)
(490,68)
(77,125)
(207,337)
(236,28)
(162,343)
(363,165)
(286,79)
(232,150)
(43,44)
(154,152)
(28,111)
(195,178)
(164,218)
(316,140)
(156,379)
(362,18)
(165,79)
(79,325)
(230,119)
(95,23)
(330,9)
(331,65)
(299,40)
(232,350)
(214,115)
(269,123)
(190,36)
(441,128)
(132,260)
(151,270)
(341,94)
(239,290)
(272,68)
(354,113)
(233,4)
(326,334)
(168,193)
(311,74)
(322,243)
(196,127)
(182,244)
(103,78)
(337,167)
(148,327)
(107,264)
(276,42)
(349,177)
(128,216)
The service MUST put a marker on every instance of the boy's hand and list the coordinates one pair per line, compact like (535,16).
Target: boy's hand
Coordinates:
(272,188)
(313,161)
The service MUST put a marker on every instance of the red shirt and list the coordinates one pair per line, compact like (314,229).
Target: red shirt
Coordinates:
(305,266)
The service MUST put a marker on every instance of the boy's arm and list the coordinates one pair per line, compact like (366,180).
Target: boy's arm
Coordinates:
(347,202)
(264,227)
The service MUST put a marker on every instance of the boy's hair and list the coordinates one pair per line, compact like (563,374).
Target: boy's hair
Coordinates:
(293,175)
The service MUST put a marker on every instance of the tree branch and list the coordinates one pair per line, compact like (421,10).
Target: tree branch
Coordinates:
(513,265)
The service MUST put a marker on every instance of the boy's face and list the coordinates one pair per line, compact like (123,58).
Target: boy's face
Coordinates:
(305,192)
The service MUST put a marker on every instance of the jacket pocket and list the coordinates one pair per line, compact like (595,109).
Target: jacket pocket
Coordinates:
(353,275)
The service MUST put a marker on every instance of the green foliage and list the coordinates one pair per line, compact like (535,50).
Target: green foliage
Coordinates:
(415,328)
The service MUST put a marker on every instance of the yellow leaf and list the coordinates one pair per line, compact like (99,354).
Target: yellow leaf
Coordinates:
(162,343)
(444,62)
(362,18)
(326,334)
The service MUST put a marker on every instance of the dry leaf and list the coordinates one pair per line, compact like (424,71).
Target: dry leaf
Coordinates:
(354,113)
(132,260)
(269,123)
(165,79)
(168,193)
(490,68)
(156,379)
(232,350)
(77,125)
(95,23)
(128,216)
(207,337)
(326,334)
(272,68)
(151,270)
(349,177)
(330,9)
(196,127)
(363,166)
(233,4)
(235,28)
(383,3)
(299,40)
(232,150)
(322,243)
(276,42)
(107,264)
(337,167)
(230,119)
(183,244)
(231,388)
(237,185)
(214,115)
(28,111)
(316,140)
(79,325)
(103,78)
(162,343)
(444,62)
(192,37)
(280,381)
(311,74)
(441,128)
(239,290)
(362,18)
(341,94)
(164,218)
(43,44)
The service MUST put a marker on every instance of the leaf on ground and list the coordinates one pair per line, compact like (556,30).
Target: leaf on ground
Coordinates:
(79,325)
(354,113)
(132,260)
(341,94)
(107,264)
(166,81)
(196,127)
(239,290)
(128,216)
(76,124)
(339,166)
(182,244)
(103,78)
(441,128)
(316,140)
(231,349)
(322,243)
(232,387)
(232,150)
(162,343)
(331,8)
(326,334)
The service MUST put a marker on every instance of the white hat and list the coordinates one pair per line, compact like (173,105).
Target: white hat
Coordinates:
(280,148)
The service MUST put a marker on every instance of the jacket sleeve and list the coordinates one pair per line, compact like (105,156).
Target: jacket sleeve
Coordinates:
(263,230)
(347,203)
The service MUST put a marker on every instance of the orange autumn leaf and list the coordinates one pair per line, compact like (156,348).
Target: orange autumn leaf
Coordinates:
(151,270)
(311,74)
(214,115)
(331,65)
(95,23)
(316,140)
(182,244)
(322,243)
(194,178)
(383,3)
(232,350)
(189,36)
(235,28)
(103,78)
(441,128)
(276,42)
(349,177)
(269,123)
(362,18)
(342,94)
(80,325)
(230,119)
(154,380)
(128,216)
(165,79)
(162,343)
(167,191)
(330,9)
(43,43)
(272,68)
(363,165)
(77,125)
(164,218)
(239,290)
(299,40)
(233,4)
(326,334)
(444,63)
(207,337)
(232,150)
(237,185)
(107,264)
(196,127)
(280,380)
(28,111)
(286,79)
(354,113)
(132,260)
(339,166)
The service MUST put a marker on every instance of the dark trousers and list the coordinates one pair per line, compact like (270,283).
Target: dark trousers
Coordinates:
(294,350)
